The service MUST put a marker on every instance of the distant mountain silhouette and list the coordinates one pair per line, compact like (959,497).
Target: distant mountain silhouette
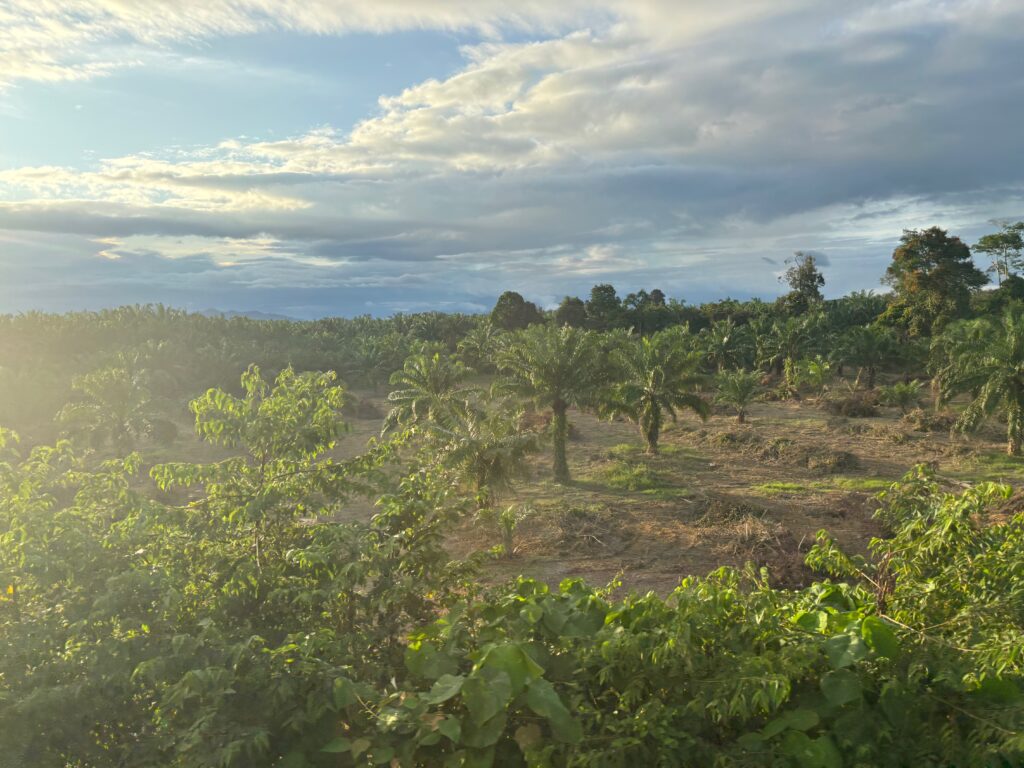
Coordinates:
(252,315)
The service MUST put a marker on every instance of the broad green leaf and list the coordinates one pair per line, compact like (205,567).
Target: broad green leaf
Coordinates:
(485,734)
(812,621)
(451,728)
(880,637)
(845,649)
(542,698)
(841,686)
(796,719)
(446,687)
(337,744)
(513,661)
(485,697)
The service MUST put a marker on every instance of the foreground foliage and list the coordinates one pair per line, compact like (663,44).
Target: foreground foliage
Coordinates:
(220,615)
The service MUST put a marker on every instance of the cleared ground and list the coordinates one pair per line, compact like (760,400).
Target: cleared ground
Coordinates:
(718,493)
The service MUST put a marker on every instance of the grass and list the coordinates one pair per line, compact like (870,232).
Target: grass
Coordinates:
(997,466)
(623,476)
(633,451)
(776,488)
(863,484)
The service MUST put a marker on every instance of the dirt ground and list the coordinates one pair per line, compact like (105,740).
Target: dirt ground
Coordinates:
(718,493)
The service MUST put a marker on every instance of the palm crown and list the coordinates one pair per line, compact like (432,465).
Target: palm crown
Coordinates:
(556,368)
(655,378)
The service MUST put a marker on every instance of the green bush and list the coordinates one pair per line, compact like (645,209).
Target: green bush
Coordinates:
(240,629)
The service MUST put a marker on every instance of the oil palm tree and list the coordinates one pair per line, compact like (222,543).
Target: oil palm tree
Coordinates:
(988,363)
(113,407)
(739,389)
(655,378)
(725,344)
(556,368)
(867,347)
(428,388)
(487,448)
(480,346)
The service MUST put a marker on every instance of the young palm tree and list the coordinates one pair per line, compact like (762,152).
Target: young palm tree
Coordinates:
(725,344)
(739,389)
(114,408)
(988,363)
(429,388)
(655,377)
(904,395)
(556,368)
(480,346)
(867,347)
(488,449)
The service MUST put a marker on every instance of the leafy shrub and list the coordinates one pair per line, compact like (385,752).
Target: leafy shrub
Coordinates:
(241,630)
(905,395)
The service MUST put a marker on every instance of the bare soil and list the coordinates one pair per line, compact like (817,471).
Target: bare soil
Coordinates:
(718,493)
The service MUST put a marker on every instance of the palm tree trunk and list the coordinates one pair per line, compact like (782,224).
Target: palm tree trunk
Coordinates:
(559,435)
(872,375)
(1014,431)
(652,430)
(741,417)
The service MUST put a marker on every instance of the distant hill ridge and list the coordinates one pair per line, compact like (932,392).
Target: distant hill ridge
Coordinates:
(252,315)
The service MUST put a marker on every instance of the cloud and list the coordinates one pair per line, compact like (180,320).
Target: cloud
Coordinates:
(695,147)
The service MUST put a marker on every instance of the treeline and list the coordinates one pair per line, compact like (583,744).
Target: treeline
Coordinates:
(934,282)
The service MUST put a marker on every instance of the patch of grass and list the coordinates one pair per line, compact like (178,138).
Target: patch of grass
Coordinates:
(776,488)
(624,476)
(624,451)
(996,466)
(864,484)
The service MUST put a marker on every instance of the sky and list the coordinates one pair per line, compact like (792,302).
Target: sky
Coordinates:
(344,157)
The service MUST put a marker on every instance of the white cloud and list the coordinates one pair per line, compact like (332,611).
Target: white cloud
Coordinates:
(637,139)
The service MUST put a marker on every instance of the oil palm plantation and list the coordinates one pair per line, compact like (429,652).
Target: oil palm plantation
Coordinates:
(556,368)
(655,378)
(987,363)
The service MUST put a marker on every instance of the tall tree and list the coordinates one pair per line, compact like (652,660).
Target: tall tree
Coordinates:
(1006,249)
(988,362)
(604,308)
(867,347)
(113,407)
(655,377)
(487,448)
(725,345)
(512,312)
(557,368)
(932,276)
(805,282)
(572,311)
